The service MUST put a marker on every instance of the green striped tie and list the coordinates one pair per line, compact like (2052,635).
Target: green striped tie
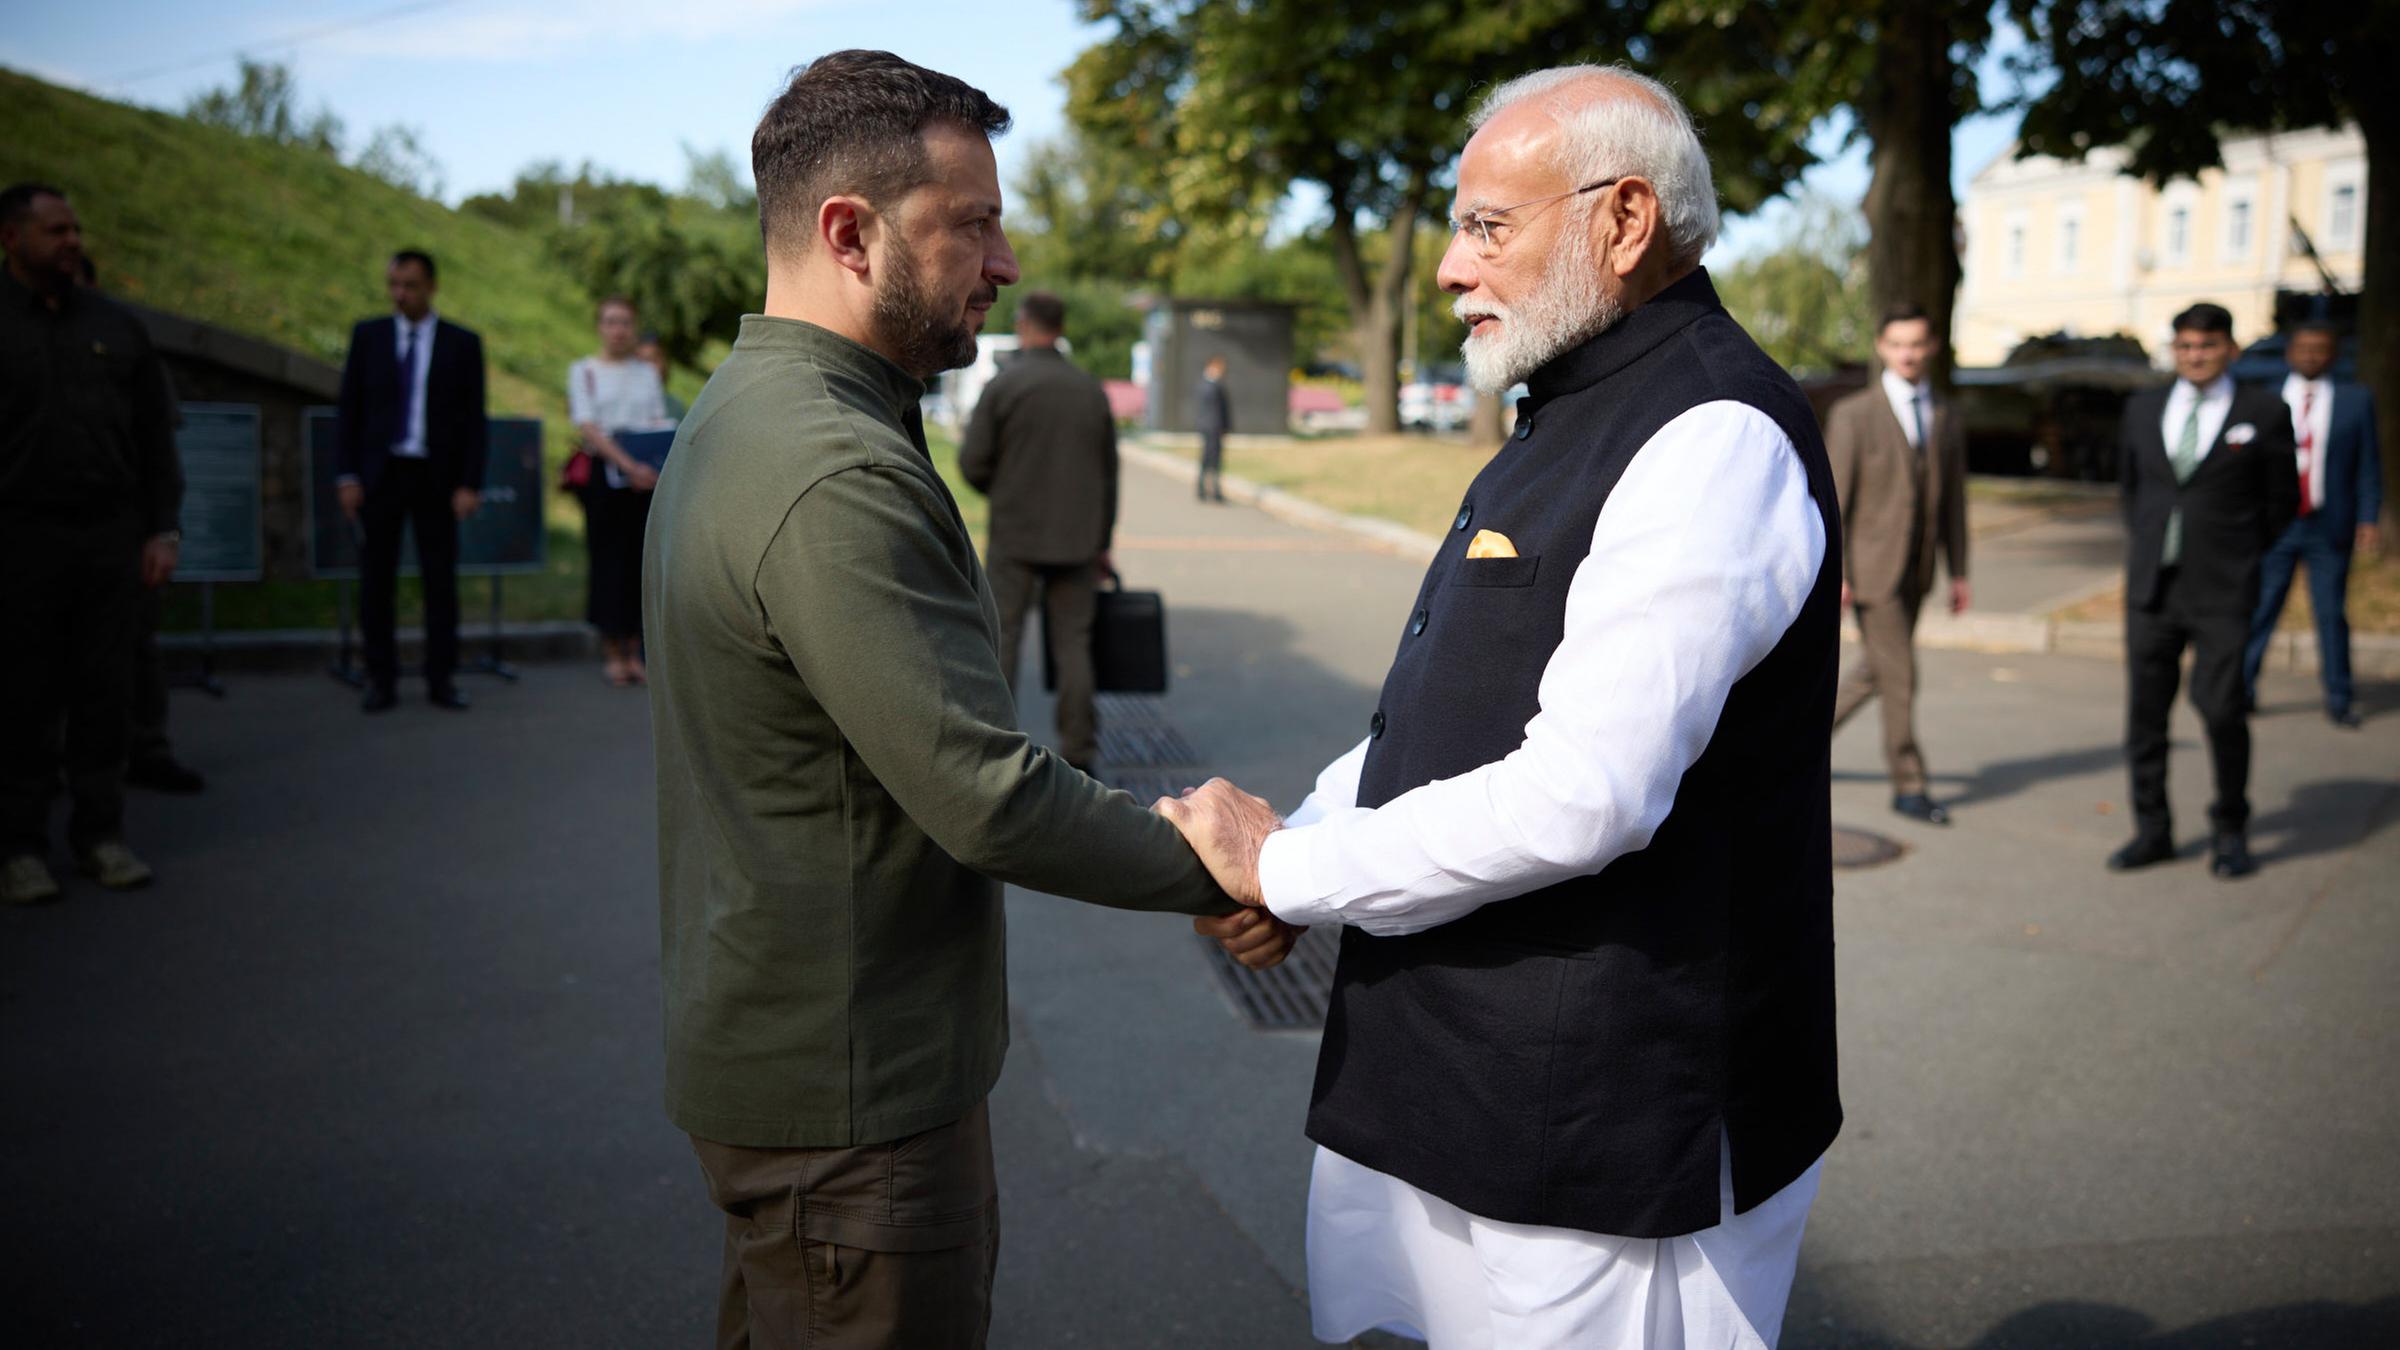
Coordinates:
(2186,458)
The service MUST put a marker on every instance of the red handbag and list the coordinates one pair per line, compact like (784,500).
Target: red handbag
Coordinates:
(576,474)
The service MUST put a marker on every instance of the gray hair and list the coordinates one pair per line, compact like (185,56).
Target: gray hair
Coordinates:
(1640,129)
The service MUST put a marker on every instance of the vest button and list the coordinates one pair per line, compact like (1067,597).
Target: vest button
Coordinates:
(1465,514)
(1417,624)
(1524,428)
(1375,724)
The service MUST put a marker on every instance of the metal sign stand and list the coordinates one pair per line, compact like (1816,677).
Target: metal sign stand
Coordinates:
(344,668)
(206,681)
(495,663)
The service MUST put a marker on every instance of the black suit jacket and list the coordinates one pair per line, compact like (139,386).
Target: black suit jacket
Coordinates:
(1042,445)
(373,417)
(2241,497)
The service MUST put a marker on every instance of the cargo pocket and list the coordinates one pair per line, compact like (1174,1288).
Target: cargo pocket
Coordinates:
(902,1241)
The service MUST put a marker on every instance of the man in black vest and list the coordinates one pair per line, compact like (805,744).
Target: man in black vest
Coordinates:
(1043,446)
(1578,1066)
(2208,483)
(410,457)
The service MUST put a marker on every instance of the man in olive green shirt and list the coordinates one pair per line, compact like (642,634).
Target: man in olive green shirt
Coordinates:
(841,785)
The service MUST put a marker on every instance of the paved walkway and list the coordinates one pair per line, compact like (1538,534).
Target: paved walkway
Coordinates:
(377,1062)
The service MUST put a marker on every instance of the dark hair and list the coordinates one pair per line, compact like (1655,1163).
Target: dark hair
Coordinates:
(421,258)
(2205,318)
(607,300)
(1902,313)
(1044,311)
(854,122)
(2324,326)
(17,199)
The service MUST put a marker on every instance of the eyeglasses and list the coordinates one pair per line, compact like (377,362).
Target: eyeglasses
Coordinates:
(1478,225)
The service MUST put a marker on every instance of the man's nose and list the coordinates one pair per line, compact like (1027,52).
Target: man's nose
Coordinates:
(1001,267)
(1457,273)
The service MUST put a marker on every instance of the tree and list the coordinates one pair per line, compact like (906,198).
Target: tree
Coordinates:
(1225,107)
(1905,69)
(1803,300)
(693,274)
(265,103)
(395,155)
(2167,80)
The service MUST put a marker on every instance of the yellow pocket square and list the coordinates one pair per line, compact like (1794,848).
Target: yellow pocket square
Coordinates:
(1490,544)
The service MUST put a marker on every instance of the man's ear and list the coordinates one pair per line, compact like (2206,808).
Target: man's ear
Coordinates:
(1628,225)
(842,228)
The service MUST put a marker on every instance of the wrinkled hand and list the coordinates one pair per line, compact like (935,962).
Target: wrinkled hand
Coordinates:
(160,553)
(1227,827)
(464,501)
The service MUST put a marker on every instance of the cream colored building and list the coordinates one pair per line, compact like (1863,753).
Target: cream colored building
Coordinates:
(2054,246)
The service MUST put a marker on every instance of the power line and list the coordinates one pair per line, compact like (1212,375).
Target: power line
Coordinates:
(305,35)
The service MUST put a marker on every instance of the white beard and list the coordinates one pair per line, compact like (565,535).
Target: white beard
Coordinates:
(1567,308)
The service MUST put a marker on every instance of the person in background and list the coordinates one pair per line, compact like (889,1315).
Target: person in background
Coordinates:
(1043,446)
(90,491)
(409,457)
(2340,475)
(1899,458)
(1212,416)
(614,392)
(649,349)
(2206,469)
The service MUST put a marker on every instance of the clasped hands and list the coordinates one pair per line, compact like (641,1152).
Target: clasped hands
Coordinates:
(1227,827)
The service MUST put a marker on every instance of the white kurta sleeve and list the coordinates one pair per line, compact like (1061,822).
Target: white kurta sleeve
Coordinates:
(1336,790)
(1700,561)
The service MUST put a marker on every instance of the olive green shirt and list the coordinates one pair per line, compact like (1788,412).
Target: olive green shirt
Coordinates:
(841,784)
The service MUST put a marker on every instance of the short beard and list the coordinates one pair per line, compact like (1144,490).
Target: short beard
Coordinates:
(1566,309)
(911,325)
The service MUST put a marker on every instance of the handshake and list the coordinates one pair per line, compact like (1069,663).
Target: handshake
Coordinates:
(1227,827)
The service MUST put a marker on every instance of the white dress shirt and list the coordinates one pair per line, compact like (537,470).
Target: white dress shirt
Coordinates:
(2313,431)
(1909,401)
(616,396)
(1700,562)
(411,444)
(2215,402)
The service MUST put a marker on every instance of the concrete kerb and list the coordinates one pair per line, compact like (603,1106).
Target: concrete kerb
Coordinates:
(2372,655)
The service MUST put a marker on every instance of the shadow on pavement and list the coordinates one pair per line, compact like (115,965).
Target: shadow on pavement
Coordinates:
(2316,1325)
(2318,817)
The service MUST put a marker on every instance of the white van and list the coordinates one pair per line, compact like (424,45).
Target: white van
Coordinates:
(961,387)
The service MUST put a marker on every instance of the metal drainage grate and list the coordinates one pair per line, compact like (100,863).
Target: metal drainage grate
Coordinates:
(1857,848)
(1134,732)
(1292,996)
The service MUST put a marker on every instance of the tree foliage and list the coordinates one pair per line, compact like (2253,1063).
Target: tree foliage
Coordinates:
(691,270)
(396,155)
(1805,299)
(264,102)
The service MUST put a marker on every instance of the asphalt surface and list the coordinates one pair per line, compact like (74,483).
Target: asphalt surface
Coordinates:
(377,1062)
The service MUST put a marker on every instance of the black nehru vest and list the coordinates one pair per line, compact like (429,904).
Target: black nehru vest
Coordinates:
(1574,1056)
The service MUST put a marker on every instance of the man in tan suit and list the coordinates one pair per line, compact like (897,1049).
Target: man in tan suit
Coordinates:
(1900,467)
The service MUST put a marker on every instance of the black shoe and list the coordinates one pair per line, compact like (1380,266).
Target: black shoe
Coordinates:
(380,698)
(162,774)
(2345,719)
(446,696)
(2229,855)
(2142,852)
(1918,806)
(2249,705)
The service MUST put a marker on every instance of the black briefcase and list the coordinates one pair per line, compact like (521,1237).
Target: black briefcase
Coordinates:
(1129,642)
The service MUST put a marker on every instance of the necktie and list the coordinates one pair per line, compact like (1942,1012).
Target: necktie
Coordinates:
(1916,408)
(2308,441)
(408,378)
(2186,458)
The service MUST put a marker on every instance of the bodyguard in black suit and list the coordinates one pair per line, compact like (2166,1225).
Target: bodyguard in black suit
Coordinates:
(2206,468)
(410,456)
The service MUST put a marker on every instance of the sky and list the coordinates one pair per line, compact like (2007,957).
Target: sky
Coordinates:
(494,85)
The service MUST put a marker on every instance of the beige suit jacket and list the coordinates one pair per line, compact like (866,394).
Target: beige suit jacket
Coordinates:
(1900,509)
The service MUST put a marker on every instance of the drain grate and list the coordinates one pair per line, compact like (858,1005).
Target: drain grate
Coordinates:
(1134,732)
(1292,996)
(1857,848)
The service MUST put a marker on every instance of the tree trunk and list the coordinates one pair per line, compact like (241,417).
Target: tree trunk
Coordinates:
(2378,305)
(1483,420)
(1377,302)
(1912,248)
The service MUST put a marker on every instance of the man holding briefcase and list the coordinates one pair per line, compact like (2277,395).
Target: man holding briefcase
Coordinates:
(1042,445)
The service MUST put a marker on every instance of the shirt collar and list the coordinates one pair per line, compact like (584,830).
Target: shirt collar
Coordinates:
(1902,390)
(896,388)
(2220,387)
(1663,316)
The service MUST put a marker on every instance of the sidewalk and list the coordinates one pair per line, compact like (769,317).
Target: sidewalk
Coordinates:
(2038,548)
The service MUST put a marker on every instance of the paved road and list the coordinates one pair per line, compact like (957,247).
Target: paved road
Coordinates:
(377,1062)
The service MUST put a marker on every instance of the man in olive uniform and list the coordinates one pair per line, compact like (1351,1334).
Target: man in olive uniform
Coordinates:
(89,491)
(1043,446)
(841,785)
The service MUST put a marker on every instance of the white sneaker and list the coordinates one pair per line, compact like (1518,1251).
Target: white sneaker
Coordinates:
(113,865)
(26,880)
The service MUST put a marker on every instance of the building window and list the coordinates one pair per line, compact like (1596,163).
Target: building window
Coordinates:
(2179,234)
(2341,217)
(2237,228)
(2016,248)
(2070,241)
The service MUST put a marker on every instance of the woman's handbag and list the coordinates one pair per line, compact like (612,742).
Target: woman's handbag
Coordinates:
(576,474)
